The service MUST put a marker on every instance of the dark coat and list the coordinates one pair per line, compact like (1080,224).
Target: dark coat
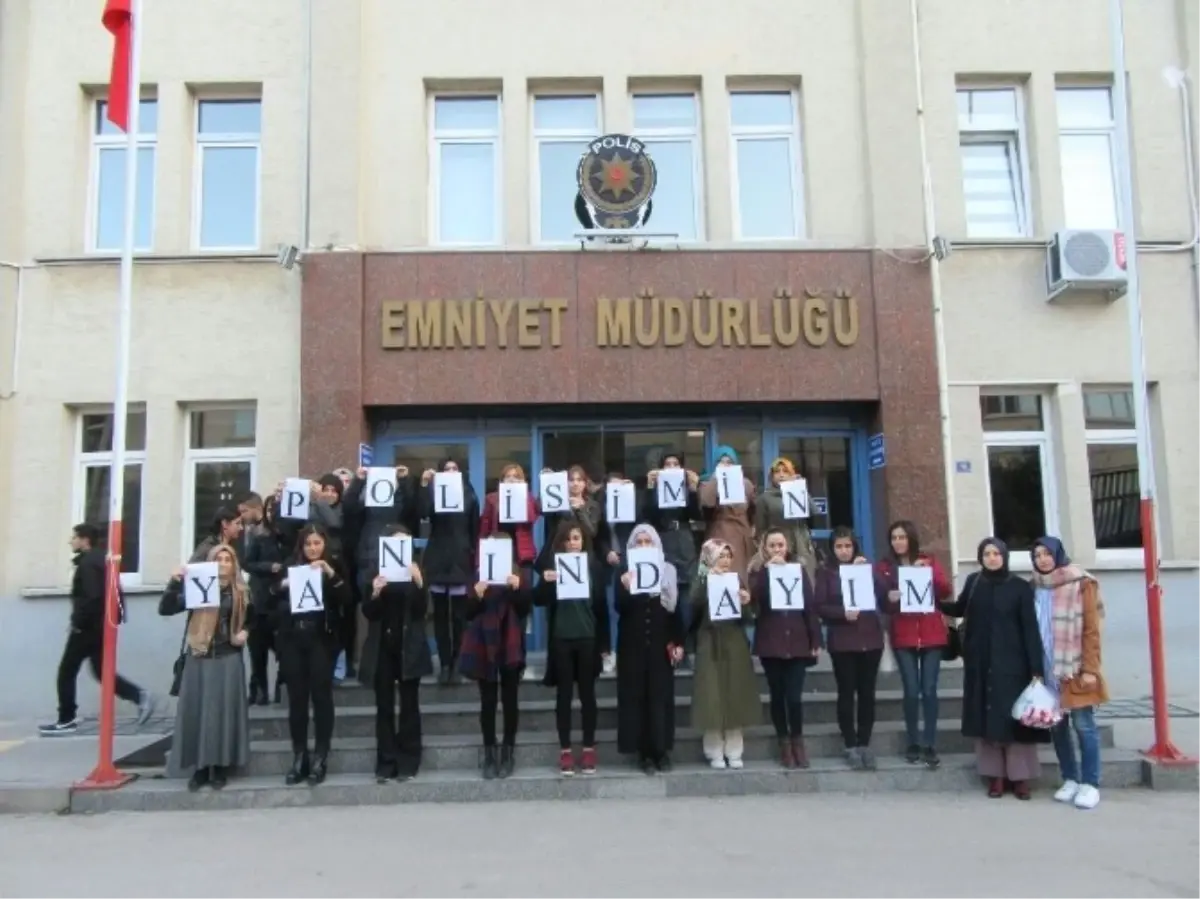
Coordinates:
(366,523)
(335,594)
(264,549)
(863,634)
(1002,653)
(725,690)
(544,595)
(588,517)
(645,675)
(674,528)
(615,537)
(784,635)
(449,556)
(396,620)
(494,639)
(87,591)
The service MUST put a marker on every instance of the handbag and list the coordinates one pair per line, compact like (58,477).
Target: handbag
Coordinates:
(177,669)
(956,633)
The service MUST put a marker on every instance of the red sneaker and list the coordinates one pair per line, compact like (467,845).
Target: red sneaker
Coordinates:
(566,763)
(589,760)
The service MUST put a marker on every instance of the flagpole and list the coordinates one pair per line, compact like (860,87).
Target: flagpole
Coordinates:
(105,775)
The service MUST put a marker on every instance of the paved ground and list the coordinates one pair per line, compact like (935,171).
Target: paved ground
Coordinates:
(1135,844)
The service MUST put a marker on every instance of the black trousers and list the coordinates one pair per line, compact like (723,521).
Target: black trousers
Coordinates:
(262,643)
(449,622)
(397,744)
(575,663)
(855,674)
(785,680)
(85,645)
(504,691)
(307,656)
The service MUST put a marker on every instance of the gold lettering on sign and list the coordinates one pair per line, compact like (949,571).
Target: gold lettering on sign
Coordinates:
(845,319)
(705,304)
(613,323)
(674,322)
(646,333)
(785,314)
(816,318)
(425,325)
(393,324)
(458,324)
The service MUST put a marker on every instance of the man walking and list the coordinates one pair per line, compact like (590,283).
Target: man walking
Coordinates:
(86,638)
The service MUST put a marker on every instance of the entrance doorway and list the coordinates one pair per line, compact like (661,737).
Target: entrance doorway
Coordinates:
(633,450)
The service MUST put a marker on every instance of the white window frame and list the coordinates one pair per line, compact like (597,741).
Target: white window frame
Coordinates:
(651,136)
(84,461)
(1111,437)
(99,143)
(795,139)
(553,135)
(233,140)
(464,136)
(1017,139)
(1108,131)
(191,457)
(1041,440)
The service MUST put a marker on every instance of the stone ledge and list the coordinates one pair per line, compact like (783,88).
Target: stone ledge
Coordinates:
(18,799)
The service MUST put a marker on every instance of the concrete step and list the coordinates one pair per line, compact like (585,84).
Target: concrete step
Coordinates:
(957,775)
(539,749)
(537,714)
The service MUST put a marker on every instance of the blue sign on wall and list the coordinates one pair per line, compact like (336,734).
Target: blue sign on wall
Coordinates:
(366,455)
(820,504)
(962,466)
(876,452)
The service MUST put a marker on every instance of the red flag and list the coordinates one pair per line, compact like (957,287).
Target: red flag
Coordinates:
(118,19)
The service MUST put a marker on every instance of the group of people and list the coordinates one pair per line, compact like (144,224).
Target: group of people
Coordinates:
(1013,631)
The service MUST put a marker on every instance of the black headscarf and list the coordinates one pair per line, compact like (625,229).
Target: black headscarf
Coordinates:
(1000,573)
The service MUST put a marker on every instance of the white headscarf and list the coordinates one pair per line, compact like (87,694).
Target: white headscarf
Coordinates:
(669,594)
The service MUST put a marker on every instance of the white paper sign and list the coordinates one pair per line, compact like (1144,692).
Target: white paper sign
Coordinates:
(858,587)
(724,604)
(574,579)
(916,589)
(731,485)
(552,491)
(795,498)
(495,560)
(514,503)
(621,503)
(200,587)
(395,558)
(380,487)
(787,587)
(671,488)
(294,502)
(306,589)
(448,492)
(645,566)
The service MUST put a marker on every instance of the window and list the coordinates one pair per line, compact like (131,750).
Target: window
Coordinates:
(219,466)
(766,151)
(669,124)
(107,200)
(562,128)
(991,140)
(1020,479)
(228,152)
(1085,135)
(465,165)
(94,447)
(1113,470)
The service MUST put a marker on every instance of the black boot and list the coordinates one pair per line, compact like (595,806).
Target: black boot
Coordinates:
(218,777)
(455,677)
(198,779)
(490,769)
(444,676)
(278,692)
(299,770)
(320,768)
(507,763)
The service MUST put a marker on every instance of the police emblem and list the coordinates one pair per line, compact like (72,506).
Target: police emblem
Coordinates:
(616,181)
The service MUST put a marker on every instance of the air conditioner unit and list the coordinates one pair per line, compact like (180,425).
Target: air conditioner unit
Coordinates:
(1086,262)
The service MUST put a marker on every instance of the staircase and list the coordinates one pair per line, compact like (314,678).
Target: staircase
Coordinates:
(450,765)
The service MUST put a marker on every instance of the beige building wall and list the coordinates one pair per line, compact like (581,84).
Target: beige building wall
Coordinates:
(227,329)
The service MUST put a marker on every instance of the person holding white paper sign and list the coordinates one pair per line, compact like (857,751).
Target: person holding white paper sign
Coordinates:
(212,716)
(578,507)
(774,510)
(918,633)
(725,699)
(621,512)
(396,654)
(266,551)
(731,524)
(500,515)
(674,526)
(449,564)
(787,638)
(855,642)
(308,643)
(577,637)
(493,654)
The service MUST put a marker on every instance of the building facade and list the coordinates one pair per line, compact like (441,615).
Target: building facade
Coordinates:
(423,160)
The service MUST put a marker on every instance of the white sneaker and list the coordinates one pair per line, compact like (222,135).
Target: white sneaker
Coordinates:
(609,663)
(736,764)
(1088,797)
(718,763)
(1067,792)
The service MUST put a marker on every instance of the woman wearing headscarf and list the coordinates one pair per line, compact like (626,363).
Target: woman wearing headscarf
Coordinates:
(1002,654)
(726,699)
(769,513)
(212,717)
(1070,613)
(729,524)
(449,565)
(649,646)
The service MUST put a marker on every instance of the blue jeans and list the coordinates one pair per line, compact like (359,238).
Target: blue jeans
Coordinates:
(919,669)
(1083,721)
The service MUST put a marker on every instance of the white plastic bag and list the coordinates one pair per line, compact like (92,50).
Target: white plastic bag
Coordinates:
(1037,707)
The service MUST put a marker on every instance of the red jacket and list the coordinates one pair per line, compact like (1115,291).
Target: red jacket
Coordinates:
(914,630)
(522,534)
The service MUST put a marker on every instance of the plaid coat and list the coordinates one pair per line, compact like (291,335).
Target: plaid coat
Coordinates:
(495,636)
